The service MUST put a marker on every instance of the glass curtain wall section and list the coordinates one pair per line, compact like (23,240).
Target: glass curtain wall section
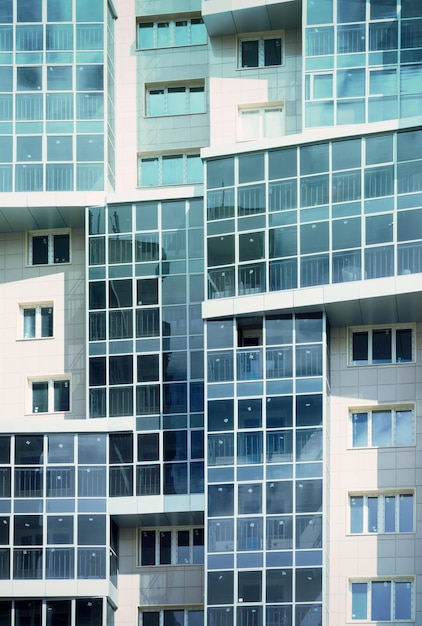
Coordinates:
(52,95)
(146,348)
(363,61)
(265,416)
(316,214)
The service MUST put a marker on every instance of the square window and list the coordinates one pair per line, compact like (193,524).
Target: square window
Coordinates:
(37,321)
(49,248)
(50,396)
(262,52)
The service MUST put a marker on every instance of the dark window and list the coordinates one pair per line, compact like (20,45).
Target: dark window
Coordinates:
(89,612)
(272,51)
(360,346)
(121,448)
(148,447)
(61,249)
(220,587)
(39,397)
(147,291)
(249,51)
(165,547)
(148,547)
(61,395)
(39,250)
(381,346)
(403,345)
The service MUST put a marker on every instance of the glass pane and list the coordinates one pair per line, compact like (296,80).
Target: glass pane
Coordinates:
(381,601)
(356,514)
(403,600)
(381,428)
(404,428)
(359,600)
(372,506)
(390,514)
(381,346)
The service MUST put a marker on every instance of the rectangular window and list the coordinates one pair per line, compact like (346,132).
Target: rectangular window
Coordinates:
(376,346)
(169,34)
(176,100)
(261,123)
(37,321)
(383,600)
(381,513)
(172,617)
(171,546)
(50,396)
(49,248)
(262,52)
(171,169)
(382,428)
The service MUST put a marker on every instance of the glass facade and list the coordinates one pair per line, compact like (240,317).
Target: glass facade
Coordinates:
(362,61)
(265,466)
(146,335)
(317,214)
(52,95)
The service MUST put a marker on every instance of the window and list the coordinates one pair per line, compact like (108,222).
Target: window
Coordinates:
(262,52)
(166,34)
(50,396)
(376,346)
(383,600)
(49,248)
(261,122)
(382,427)
(170,169)
(37,321)
(171,617)
(171,546)
(176,100)
(381,513)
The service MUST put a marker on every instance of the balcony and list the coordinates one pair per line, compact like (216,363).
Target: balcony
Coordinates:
(228,17)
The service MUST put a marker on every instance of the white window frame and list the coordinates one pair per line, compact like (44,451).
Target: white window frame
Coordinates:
(37,308)
(50,235)
(370,330)
(279,35)
(50,382)
(393,581)
(172,25)
(260,110)
(159,159)
(382,500)
(174,545)
(166,90)
(369,413)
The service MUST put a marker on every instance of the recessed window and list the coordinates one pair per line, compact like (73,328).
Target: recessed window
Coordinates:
(262,52)
(376,346)
(170,169)
(175,100)
(262,122)
(381,513)
(171,546)
(171,617)
(49,248)
(171,33)
(382,428)
(383,600)
(37,321)
(50,396)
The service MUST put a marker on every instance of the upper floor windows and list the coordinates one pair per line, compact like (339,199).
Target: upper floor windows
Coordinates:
(171,546)
(175,100)
(382,428)
(262,52)
(37,321)
(383,600)
(170,169)
(171,33)
(381,513)
(50,396)
(49,247)
(375,346)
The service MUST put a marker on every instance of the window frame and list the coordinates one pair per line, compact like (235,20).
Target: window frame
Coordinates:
(369,431)
(261,39)
(260,110)
(51,401)
(353,331)
(159,158)
(174,545)
(51,236)
(381,512)
(38,317)
(190,20)
(369,583)
(161,613)
(165,90)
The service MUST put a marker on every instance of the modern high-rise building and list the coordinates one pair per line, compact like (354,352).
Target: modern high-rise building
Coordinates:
(210,312)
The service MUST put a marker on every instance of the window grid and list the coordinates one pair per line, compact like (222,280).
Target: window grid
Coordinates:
(170,546)
(175,100)
(382,600)
(49,248)
(50,396)
(262,52)
(382,513)
(171,33)
(381,345)
(170,169)
(383,427)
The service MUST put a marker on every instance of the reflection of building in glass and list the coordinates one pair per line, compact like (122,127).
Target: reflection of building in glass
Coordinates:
(210,244)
